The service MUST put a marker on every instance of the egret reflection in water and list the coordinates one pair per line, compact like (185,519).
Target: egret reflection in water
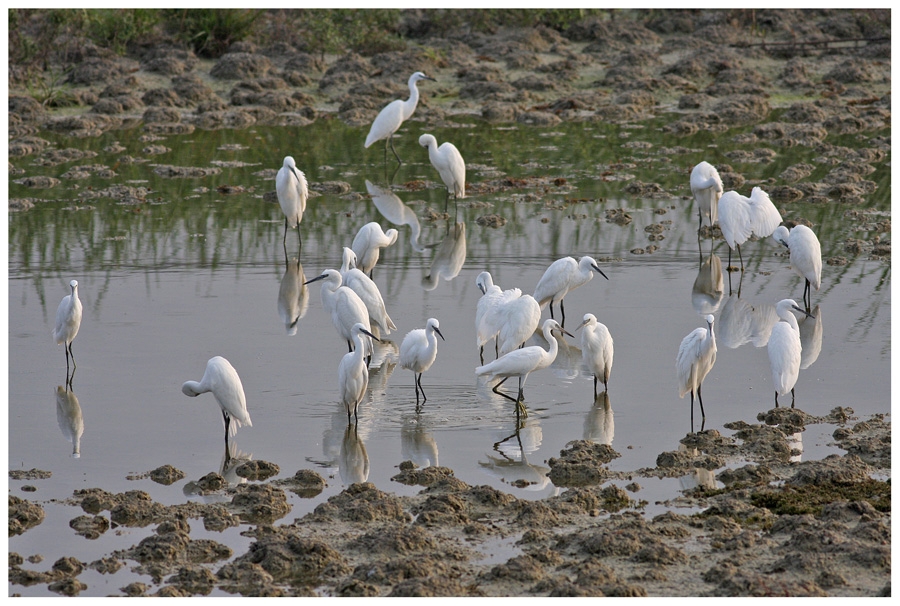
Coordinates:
(510,463)
(448,258)
(811,332)
(417,442)
(698,477)
(70,418)
(599,424)
(795,442)
(353,463)
(394,210)
(741,322)
(709,286)
(293,295)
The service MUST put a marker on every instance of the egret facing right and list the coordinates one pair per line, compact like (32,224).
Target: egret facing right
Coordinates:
(596,350)
(68,321)
(449,164)
(418,351)
(695,359)
(367,245)
(393,115)
(806,256)
(223,381)
(562,276)
(292,192)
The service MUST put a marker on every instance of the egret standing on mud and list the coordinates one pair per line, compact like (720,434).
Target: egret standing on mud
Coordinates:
(223,381)
(695,359)
(785,350)
(367,245)
(393,115)
(562,276)
(449,164)
(292,192)
(68,321)
(418,351)
(353,374)
(706,186)
(740,217)
(596,350)
(806,256)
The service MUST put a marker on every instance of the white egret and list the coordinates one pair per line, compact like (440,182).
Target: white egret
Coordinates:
(490,295)
(740,217)
(706,186)
(596,350)
(353,375)
(785,349)
(806,256)
(344,305)
(394,114)
(562,276)
(518,317)
(449,164)
(367,245)
(418,351)
(695,359)
(292,192)
(368,292)
(522,362)
(223,381)
(68,321)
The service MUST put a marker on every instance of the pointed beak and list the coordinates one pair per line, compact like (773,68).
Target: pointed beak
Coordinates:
(481,288)
(315,279)
(438,331)
(582,325)
(599,271)
(370,334)
(804,312)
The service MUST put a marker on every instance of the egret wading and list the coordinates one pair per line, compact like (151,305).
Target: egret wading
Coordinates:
(418,351)
(68,321)
(596,350)
(562,276)
(367,245)
(344,305)
(806,256)
(223,381)
(522,362)
(485,330)
(393,115)
(785,350)
(740,217)
(706,187)
(292,192)
(367,291)
(353,373)
(695,359)
(449,163)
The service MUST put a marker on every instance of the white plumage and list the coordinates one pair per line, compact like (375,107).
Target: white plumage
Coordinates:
(740,217)
(596,350)
(293,295)
(394,114)
(292,192)
(68,322)
(484,327)
(706,186)
(419,350)
(562,276)
(223,381)
(806,255)
(368,292)
(696,357)
(449,164)
(344,305)
(785,349)
(367,245)
(353,375)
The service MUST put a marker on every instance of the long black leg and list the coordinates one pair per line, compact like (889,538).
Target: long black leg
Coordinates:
(792,397)
(776,398)
(562,308)
(481,354)
(595,387)
(227,425)
(422,389)
(700,397)
(551,310)
(692,410)
(284,238)
(391,139)
(72,353)
(741,257)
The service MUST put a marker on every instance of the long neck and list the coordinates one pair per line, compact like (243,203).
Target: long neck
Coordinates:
(792,321)
(409,106)
(554,344)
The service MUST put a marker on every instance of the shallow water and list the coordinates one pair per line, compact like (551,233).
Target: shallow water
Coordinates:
(194,273)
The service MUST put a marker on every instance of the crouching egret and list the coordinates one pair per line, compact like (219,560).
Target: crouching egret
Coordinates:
(785,350)
(522,362)
(223,381)
(68,321)
(292,192)
(418,351)
(695,359)
(367,291)
(344,305)
(562,276)
(367,245)
(706,187)
(806,256)
(596,350)
(353,375)
(393,115)
(740,217)
(449,164)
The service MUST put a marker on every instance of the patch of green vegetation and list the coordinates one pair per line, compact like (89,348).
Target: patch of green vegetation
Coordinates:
(363,31)
(796,500)
(210,31)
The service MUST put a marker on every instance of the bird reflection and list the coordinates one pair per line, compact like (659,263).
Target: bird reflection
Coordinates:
(231,460)
(709,286)
(417,442)
(69,418)
(698,477)
(795,441)
(449,257)
(599,424)
(810,337)
(293,295)
(334,438)
(394,210)
(512,465)
(741,322)
(354,461)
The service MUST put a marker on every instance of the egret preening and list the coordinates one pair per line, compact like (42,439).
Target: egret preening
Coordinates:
(418,351)
(522,362)
(368,292)
(484,328)
(353,375)
(344,305)
(596,350)
(785,349)
(739,217)
(806,256)
(695,359)
(223,381)
(706,186)
(393,115)
(518,318)
(449,164)
(68,321)
(562,276)
(367,245)
(292,192)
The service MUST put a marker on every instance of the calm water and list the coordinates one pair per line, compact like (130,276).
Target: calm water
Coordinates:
(194,273)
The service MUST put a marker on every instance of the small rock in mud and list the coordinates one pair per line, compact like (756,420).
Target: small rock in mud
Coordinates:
(306,483)
(90,527)
(491,221)
(31,474)
(166,475)
(260,503)
(212,482)
(412,475)
(257,470)
(618,216)
(23,515)
(184,172)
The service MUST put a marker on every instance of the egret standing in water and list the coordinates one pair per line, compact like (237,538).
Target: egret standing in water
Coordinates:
(367,245)
(449,164)
(485,329)
(344,305)
(695,359)
(740,217)
(784,349)
(518,316)
(562,276)
(596,350)
(68,321)
(223,381)
(706,186)
(368,292)
(393,115)
(522,362)
(418,351)
(353,374)
(292,192)
(806,256)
